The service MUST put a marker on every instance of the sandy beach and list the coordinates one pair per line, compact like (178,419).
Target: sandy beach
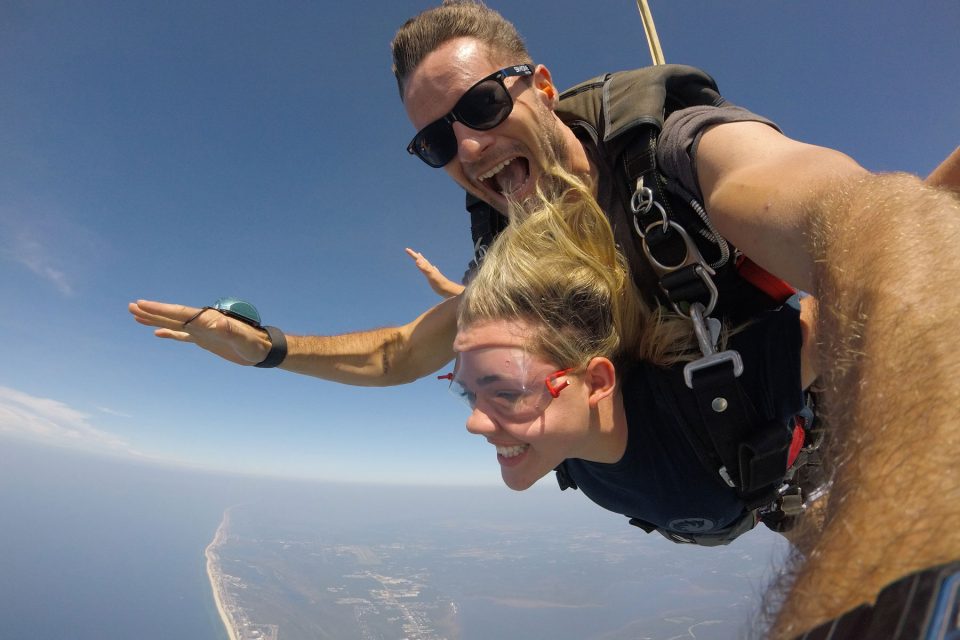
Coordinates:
(213,573)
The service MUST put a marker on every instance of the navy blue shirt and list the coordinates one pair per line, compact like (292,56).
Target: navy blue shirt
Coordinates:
(660,479)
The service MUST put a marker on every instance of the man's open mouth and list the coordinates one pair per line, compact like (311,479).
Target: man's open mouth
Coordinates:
(507,178)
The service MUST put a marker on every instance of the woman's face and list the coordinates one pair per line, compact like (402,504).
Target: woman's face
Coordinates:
(535,414)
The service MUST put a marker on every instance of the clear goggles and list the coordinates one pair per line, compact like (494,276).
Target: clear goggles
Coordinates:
(506,383)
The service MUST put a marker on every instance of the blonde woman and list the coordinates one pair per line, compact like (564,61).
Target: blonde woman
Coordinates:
(565,367)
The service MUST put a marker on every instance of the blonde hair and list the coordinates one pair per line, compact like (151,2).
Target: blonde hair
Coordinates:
(557,267)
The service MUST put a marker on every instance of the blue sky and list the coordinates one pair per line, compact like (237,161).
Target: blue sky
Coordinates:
(183,151)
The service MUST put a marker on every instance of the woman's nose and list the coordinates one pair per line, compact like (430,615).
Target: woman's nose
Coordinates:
(480,423)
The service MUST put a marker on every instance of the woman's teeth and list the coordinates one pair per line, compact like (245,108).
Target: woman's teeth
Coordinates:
(511,452)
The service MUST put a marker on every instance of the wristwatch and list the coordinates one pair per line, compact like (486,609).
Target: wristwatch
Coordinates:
(921,606)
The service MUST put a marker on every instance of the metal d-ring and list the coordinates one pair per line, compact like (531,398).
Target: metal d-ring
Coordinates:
(641,202)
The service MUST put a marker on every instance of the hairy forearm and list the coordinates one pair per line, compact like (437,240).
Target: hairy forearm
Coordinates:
(379,357)
(367,358)
(887,276)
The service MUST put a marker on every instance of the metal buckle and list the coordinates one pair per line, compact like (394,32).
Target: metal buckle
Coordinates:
(711,361)
(708,332)
(692,256)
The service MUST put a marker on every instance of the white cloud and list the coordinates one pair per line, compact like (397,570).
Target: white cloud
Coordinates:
(35,257)
(45,239)
(53,422)
(114,412)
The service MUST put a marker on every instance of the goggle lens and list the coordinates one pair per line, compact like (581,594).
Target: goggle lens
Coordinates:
(505,383)
(512,404)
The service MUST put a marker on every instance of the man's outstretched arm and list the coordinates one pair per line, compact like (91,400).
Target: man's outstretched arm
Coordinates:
(378,357)
(882,255)
(887,271)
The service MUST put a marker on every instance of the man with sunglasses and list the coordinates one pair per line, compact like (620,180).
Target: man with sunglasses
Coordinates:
(488,116)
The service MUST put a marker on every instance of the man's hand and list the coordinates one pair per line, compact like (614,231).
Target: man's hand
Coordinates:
(947,173)
(442,286)
(226,337)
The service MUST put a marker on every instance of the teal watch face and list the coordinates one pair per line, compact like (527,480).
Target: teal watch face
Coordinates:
(238,309)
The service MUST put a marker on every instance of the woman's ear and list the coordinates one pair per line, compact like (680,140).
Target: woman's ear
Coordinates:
(601,379)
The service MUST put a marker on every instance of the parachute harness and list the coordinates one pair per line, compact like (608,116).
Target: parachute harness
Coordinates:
(751,453)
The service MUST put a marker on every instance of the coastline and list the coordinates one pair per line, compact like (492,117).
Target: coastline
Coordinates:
(213,574)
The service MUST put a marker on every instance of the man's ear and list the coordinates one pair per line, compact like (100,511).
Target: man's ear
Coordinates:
(543,83)
(601,379)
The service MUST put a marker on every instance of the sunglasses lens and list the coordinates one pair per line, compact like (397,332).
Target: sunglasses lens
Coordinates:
(436,144)
(485,106)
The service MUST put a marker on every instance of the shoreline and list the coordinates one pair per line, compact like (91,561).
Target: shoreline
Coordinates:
(213,574)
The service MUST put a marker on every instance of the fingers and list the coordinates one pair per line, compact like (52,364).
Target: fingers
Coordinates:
(422,263)
(437,281)
(425,266)
(223,336)
(179,336)
(161,314)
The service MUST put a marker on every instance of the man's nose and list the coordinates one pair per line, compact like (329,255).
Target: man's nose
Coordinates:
(480,424)
(471,143)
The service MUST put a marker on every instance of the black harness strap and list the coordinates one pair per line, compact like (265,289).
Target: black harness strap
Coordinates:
(745,452)
(624,112)
(752,455)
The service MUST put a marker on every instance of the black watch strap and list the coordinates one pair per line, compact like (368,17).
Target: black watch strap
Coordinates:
(278,348)
(920,606)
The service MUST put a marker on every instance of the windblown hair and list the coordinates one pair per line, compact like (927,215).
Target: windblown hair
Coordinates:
(423,33)
(557,267)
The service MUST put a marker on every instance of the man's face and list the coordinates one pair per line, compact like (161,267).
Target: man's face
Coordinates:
(507,160)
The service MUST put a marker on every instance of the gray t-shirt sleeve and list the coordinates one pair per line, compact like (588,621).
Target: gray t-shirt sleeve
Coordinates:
(677,147)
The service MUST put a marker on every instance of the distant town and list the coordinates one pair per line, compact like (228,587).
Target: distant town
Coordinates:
(280,582)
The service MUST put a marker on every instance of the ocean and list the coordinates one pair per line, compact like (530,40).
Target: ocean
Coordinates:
(94,548)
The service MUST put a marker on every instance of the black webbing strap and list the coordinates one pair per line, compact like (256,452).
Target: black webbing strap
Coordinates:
(686,286)
(665,245)
(752,452)
(749,454)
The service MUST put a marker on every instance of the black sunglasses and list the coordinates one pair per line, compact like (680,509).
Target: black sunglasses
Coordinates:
(483,106)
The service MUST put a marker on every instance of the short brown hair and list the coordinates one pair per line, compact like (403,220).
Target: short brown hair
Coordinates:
(426,31)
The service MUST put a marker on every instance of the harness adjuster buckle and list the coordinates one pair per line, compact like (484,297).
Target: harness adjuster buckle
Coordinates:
(710,361)
(707,331)
(692,259)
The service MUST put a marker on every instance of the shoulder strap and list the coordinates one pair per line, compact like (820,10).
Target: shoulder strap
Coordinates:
(625,113)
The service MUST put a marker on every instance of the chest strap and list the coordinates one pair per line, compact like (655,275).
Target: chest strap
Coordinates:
(747,453)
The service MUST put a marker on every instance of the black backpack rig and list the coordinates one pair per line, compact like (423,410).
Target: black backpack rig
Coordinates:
(696,272)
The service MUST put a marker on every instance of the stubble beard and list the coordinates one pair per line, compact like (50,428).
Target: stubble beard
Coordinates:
(553,152)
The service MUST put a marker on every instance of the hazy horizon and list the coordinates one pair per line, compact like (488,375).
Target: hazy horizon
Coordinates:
(94,548)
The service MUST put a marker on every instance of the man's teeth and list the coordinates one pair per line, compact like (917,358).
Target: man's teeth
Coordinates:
(497,169)
(510,452)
